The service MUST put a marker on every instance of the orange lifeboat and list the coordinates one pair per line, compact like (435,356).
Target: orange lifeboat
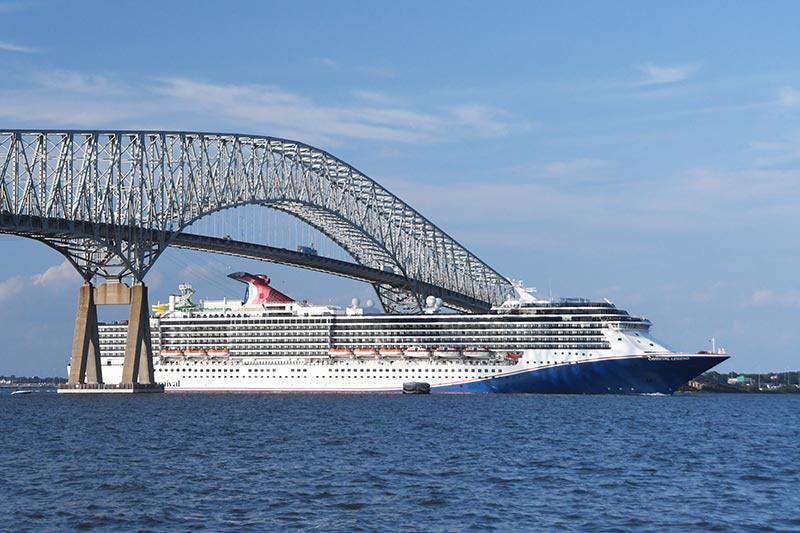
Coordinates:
(391,353)
(194,352)
(339,352)
(365,352)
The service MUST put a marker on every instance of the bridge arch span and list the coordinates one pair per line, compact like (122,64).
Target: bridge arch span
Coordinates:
(112,201)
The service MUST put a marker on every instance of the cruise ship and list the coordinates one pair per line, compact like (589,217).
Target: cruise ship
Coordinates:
(269,342)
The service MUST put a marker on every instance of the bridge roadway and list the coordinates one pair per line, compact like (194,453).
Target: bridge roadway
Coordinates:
(226,246)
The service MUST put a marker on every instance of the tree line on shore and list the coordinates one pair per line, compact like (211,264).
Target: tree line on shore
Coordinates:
(787,381)
(28,380)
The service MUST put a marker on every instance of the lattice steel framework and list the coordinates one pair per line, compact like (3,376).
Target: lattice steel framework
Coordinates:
(111,201)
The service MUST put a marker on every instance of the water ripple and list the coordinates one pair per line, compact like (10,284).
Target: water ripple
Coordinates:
(375,463)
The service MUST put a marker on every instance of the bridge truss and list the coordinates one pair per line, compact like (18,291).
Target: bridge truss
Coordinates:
(113,201)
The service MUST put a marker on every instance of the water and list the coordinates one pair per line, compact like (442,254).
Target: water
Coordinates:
(700,462)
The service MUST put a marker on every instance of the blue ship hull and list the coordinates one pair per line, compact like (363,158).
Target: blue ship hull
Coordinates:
(661,374)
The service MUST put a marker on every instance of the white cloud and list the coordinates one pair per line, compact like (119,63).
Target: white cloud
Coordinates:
(789,97)
(777,152)
(54,278)
(745,188)
(57,276)
(701,199)
(374,97)
(64,98)
(11,287)
(66,81)
(326,62)
(378,119)
(767,297)
(11,47)
(664,74)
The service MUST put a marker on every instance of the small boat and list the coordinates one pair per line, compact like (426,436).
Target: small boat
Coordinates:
(513,355)
(365,352)
(416,387)
(447,353)
(219,352)
(417,352)
(391,353)
(477,353)
(21,391)
(339,352)
(170,351)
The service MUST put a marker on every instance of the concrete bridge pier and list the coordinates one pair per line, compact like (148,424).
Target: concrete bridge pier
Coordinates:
(138,364)
(84,365)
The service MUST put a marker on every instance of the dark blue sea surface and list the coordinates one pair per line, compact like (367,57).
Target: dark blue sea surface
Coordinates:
(700,462)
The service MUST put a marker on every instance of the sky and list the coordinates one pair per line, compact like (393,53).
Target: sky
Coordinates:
(644,152)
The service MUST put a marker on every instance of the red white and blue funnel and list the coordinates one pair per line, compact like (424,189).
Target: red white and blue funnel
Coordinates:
(258,290)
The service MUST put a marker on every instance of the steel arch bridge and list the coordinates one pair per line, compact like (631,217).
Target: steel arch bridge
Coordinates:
(113,201)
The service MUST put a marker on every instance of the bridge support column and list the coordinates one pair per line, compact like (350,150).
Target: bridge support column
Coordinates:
(138,364)
(84,365)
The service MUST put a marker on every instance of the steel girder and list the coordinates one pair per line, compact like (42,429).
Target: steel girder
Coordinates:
(146,186)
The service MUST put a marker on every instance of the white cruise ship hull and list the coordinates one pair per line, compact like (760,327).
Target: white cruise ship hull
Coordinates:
(621,374)
(271,343)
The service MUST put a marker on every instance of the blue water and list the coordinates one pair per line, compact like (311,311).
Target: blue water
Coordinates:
(700,462)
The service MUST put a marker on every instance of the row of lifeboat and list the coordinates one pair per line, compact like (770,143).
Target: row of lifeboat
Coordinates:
(419,352)
(195,352)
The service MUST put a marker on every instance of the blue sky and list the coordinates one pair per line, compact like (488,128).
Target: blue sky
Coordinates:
(648,153)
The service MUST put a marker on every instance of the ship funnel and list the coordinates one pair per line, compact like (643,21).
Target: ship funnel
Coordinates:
(259,291)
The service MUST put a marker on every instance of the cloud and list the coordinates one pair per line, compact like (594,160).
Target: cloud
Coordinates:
(57,276)
(326,62)
(777,152)
(11,287)
(375,119)
(753,187)
(789,97)
(54,278)
(372,96)
(664,74)
(768,297)
(66,81)
(700,199)
(63,98)
(11,47)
